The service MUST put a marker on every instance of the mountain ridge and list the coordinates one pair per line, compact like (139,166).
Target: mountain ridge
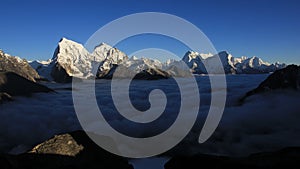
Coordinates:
(74,60)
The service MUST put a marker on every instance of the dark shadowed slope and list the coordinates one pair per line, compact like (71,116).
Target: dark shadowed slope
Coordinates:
(12,84)
(285,158)
(286,78)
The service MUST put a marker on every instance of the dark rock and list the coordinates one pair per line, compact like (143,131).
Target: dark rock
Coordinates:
(4,163)
(5,97)
(116,71)
(72,150)
(152,74)
(194,63)
(60,75)
(121,72)
(286,158)
(286,78)
(18,66)
(175,71)
(226,59)
(15,85)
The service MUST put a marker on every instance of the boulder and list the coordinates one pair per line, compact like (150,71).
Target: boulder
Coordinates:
(63,144)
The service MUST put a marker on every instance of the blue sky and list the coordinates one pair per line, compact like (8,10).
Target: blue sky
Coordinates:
(269,29)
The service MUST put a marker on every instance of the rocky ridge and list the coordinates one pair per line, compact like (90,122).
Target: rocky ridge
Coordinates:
(17,65)
(286,78)
(12,84)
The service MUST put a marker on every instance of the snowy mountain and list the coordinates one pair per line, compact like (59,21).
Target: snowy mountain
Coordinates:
(43,68)
(231,64)
(71,59)
(106,57)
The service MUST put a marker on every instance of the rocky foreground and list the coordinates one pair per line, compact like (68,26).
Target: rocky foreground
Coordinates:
(285,158)
(75,150)
(66,151)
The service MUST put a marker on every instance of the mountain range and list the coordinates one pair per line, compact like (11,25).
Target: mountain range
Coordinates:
(71,59)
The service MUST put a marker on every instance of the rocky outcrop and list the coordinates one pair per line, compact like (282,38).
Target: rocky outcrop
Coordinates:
(60,75)
(116,71)
(12,84)
(286,78)
(121,72)
(63,144)
(286,158)
(19,66)
(71,150)
(152,74)
(176,71)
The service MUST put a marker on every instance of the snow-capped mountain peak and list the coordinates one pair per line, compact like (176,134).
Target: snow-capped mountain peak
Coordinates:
(206,55)
(72,59)
(76,61)
(190,55)
(133,58)
(230,63)
(100,52)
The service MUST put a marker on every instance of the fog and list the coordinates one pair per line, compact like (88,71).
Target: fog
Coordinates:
(263,122)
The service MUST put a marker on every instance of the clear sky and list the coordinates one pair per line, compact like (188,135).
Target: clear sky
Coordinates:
(268,29)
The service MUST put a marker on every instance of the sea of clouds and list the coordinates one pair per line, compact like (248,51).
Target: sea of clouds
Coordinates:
(264,122)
